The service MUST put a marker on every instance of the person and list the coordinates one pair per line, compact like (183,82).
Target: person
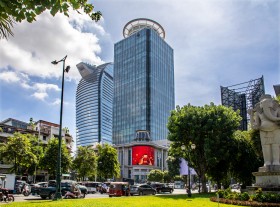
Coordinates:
(75,189)
(127,192)
(145,160)
(188,192)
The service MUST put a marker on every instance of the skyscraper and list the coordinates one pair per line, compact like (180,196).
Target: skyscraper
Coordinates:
(94,104)
(143,82)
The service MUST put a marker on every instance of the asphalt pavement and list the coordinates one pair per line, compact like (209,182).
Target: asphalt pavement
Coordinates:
(22,198)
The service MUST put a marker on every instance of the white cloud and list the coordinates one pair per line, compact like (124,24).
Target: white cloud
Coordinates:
(23,80)
(40,95)
(57,102)
(43,87)
(35,45)
(9,76)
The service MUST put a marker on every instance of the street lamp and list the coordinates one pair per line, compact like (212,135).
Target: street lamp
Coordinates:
(58,167)
(183,147)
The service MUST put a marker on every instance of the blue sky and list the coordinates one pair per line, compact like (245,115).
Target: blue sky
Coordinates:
(216,43)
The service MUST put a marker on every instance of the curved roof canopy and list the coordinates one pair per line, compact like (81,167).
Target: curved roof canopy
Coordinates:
(136,25)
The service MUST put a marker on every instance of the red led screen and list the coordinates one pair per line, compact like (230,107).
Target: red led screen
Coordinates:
(142,155)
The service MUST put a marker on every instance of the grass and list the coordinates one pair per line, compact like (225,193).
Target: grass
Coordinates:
(197,200)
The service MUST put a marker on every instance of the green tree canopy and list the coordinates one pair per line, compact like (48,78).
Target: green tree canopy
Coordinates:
(16,11)
(211,129)
(173,166)
(18,150)
(36,149)
(49,160)
(155,176)
(107,162)
(167,177)
(245,159)
(85,162)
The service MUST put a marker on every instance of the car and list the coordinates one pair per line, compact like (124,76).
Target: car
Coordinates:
(92,187)
(49,191)
(162,188)
(143,189)
(35,188)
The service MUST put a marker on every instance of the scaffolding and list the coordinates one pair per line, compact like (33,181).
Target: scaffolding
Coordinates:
(242,97)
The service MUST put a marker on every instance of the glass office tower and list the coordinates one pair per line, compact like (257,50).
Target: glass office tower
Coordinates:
(94,104)
(143,82)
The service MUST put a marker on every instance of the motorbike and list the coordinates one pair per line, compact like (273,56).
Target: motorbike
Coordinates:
(26,191)
(5,196)
(103,190)
(72,195)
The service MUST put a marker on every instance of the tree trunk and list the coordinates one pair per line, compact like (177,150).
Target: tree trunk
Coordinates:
(203,182)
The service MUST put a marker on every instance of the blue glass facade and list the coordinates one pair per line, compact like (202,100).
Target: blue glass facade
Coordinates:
(94,104)
(143,86)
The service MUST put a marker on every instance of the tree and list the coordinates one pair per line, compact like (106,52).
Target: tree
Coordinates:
(17,11)
(49,160)
(256,142)
(155,176)
(245,160)
(66,130)
(18,150)
(107,162)
(277,98)
(167,177)
(85,163)
(36,149)
(173,166)
(211,129)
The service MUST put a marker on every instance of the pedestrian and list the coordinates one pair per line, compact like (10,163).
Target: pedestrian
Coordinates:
(188,192)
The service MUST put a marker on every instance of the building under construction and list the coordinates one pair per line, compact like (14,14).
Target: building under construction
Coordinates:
(242,97)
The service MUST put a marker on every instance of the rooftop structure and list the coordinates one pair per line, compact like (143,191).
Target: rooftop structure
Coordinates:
(136,25)
(277,89)
(243,96)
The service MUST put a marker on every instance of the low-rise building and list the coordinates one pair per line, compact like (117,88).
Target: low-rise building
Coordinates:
(44,130)
(141,156)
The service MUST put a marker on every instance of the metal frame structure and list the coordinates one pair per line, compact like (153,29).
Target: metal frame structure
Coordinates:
(136,25)
(242,97)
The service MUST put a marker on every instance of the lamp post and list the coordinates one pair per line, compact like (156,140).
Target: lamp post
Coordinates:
(183,147)
(58,167)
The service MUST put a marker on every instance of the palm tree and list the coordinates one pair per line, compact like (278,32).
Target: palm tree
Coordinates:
(6,24)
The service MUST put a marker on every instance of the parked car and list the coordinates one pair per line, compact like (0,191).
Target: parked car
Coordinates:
(49,191)
(143,189)
(35,188)
(162,187)
(119,189)
(92,187)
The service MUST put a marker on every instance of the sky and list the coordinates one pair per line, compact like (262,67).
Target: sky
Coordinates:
(216,43)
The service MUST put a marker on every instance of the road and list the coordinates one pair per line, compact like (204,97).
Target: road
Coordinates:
(22,198)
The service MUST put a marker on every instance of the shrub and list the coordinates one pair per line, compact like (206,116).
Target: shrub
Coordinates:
(259,196)
(220,193)
(244,196)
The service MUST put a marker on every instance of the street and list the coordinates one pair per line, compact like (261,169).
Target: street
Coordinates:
(22,198)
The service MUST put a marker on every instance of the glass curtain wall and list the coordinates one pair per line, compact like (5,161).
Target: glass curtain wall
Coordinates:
(94,104)
(143,86)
